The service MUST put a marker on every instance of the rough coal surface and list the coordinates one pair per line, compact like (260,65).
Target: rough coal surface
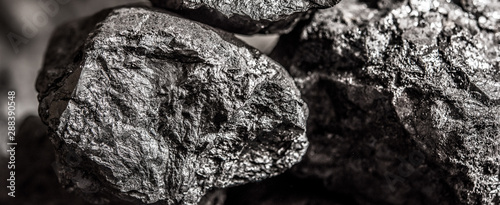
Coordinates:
(36,181)
(404,100)
(149,107)
(246,17)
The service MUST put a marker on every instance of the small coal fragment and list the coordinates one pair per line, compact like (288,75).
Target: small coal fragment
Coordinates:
(404,102)
(150,107)
(245,17)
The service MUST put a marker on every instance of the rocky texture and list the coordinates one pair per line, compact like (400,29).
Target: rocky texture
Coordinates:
(149,107)
(245,17)
(36,181)
(404,100)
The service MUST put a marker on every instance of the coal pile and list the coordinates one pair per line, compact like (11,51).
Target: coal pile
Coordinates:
(361,102)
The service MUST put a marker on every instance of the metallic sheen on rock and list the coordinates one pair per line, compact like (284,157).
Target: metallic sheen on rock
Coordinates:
(404,101)
(243,16)
(150,107)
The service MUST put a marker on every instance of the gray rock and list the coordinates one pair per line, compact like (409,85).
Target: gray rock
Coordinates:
(150,107)
(404,101)
(36,181)
(245,17)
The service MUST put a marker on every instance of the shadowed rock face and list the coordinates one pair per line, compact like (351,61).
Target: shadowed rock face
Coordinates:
(285,189)
(36,181)
(150,107)
(245,17)
(404,101)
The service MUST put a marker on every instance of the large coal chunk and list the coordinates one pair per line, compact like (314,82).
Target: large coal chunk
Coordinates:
(245,17)
(404,101)
(150,107)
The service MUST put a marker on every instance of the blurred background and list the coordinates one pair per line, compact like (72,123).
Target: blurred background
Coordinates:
(25,29)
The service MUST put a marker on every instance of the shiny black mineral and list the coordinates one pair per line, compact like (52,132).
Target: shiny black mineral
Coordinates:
(245,16)
(149,107)
(404,99)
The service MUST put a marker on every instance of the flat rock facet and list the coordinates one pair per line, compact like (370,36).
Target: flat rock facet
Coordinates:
(245,17)
(404,101)
(151,107)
